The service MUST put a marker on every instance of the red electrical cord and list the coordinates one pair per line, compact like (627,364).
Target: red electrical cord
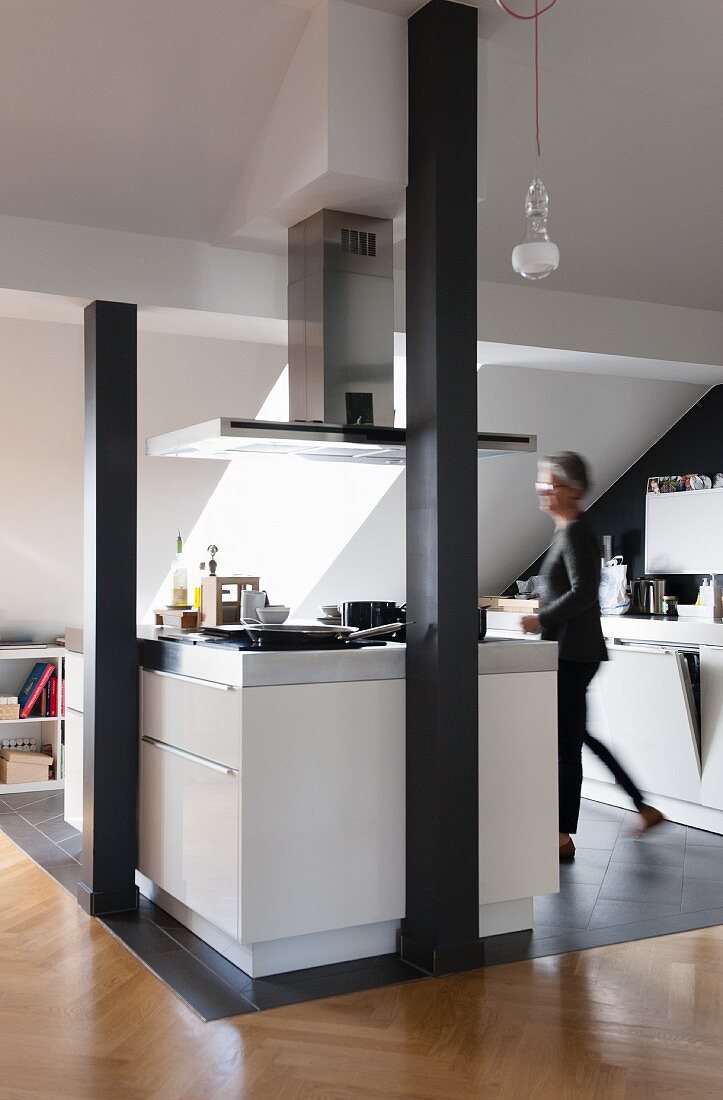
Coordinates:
(535,15)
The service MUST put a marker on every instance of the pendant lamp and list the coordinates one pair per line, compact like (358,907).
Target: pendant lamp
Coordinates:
(537,256)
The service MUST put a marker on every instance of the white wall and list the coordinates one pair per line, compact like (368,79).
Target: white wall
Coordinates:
(41,478)
(314,532)
(609,420)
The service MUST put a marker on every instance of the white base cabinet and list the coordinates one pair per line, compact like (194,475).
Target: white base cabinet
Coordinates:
(189,842)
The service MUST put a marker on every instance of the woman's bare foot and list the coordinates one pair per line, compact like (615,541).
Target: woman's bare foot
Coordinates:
(649,818)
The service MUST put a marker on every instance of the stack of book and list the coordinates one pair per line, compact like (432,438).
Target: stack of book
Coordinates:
(38,696)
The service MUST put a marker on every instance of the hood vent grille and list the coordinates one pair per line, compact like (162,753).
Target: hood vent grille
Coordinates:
(357,242)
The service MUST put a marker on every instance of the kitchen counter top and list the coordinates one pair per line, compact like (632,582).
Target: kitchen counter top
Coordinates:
(244,668)
(631,627)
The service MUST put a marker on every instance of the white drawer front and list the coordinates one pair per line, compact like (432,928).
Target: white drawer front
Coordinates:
(74,681)
(188,834)
(200,718)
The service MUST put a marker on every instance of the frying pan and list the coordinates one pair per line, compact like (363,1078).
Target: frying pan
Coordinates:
(297,636)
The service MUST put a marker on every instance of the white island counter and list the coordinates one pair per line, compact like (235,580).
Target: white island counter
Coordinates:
(272,799)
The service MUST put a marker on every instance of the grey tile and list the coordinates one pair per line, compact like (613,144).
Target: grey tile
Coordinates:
(648,855)
(700,895)
(36,816)
(571,908)
(235,978)
(200,989)
(140,934)
(697,837)
(32,798)
(588,866)
(705,862)
(5,807)
(275,991)
(668,832)
(17,828)
(600,811)
(608,914)
(160,916)
(593,833)
(633,882)
(73,846)
(57,830)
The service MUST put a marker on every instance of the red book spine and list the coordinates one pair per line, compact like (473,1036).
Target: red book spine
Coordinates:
(35,693)
(53,697)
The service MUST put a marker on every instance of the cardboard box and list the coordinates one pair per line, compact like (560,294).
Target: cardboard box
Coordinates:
(504,603)
(17,766)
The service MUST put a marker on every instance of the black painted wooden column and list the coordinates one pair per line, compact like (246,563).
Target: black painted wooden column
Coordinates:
(110,719)
(440,930)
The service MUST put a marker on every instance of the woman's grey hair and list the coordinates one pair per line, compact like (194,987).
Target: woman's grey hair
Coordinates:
(569,468)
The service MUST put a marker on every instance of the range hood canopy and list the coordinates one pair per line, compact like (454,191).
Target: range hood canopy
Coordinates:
(225,438)
(341,358)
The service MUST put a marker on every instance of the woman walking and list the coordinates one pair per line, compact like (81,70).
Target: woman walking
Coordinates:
(570,615)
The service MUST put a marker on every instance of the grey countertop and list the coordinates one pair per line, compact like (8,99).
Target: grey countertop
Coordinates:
(309,666)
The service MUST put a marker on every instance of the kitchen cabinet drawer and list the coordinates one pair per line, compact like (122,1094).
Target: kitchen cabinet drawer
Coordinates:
(652,720)
(196,715)
(74,681)
(189,832)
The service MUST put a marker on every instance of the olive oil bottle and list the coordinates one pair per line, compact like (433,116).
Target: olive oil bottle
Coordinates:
(179,577)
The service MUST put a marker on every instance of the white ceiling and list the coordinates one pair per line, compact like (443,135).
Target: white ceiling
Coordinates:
(140,115)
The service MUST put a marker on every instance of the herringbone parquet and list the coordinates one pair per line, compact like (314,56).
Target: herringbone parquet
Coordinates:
(81,1018)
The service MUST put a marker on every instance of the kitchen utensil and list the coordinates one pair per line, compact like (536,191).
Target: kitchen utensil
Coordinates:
(647,595)
(330,610)
(273,614)
(250,602)
(364,614)
(670,606)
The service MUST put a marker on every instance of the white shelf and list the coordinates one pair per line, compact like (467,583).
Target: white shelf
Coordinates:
(27,721)
(54,726)
(28,788)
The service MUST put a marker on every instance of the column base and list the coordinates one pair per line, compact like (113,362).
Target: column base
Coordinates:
(101,903)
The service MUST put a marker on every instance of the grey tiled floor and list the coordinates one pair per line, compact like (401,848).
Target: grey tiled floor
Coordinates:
(621,887)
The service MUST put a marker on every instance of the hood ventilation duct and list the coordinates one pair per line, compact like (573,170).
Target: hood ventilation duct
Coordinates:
(341,358)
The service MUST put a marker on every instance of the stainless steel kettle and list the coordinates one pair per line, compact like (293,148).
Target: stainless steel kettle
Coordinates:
(647,595)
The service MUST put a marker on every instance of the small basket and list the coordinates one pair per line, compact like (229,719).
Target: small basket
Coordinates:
(9,712)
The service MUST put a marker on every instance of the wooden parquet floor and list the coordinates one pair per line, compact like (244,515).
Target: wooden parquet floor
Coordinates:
(81,1018)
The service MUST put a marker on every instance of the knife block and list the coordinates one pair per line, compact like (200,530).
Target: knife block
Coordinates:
(221,599)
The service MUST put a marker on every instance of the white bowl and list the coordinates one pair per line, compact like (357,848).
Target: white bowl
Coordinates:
(330,610)
(273,615)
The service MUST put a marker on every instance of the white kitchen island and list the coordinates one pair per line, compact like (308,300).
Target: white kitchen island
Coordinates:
(272,796)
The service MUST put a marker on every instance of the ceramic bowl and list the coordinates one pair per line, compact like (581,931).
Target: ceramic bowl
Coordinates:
(273,615)
(330,610)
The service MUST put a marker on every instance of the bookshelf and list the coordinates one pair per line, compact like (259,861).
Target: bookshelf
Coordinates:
(15,665)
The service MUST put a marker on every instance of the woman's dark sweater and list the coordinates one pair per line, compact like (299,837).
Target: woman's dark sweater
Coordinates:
(570,613)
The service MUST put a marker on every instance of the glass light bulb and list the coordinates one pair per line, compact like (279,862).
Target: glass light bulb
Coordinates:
(537,256)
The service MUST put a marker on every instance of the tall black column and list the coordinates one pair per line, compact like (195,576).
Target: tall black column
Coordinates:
(440,931)
(110,719)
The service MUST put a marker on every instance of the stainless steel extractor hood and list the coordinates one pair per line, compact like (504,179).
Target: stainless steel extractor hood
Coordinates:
(225,438)
(341,358)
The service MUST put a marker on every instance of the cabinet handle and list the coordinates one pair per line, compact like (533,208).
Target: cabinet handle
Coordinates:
(191,679)
(189,756)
